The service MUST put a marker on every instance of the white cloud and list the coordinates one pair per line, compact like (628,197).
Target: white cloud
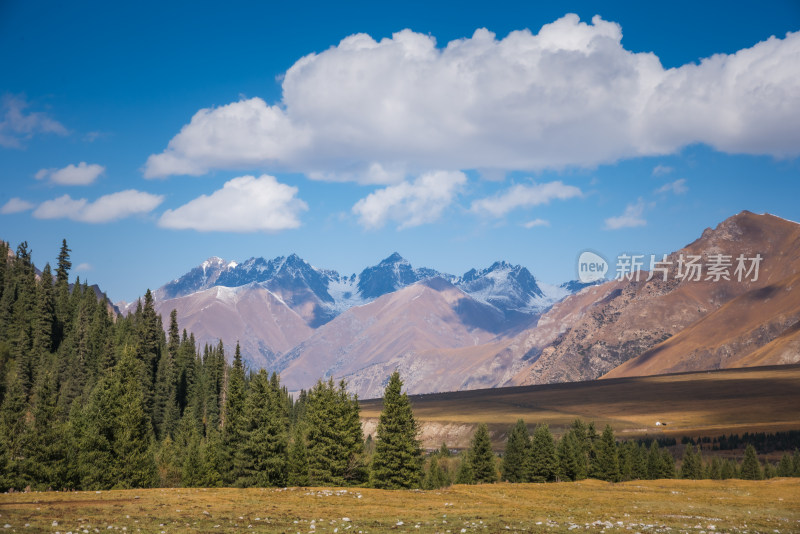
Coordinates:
(536,222)
(105,209)
(524,196)
(570,95)
(678,187)
(17,126)
(82,174)
(410,203)
(244,204)
(83,267)
(16,205)
(661,170)
(632,217)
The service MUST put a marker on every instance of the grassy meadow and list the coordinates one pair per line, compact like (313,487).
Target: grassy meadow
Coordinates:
(641,506)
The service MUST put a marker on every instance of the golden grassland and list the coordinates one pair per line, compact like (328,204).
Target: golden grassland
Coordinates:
(642,506)
(692,404)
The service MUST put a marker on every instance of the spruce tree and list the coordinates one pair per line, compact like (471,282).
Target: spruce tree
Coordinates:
(785,467)
(692,463)
(654,463)
(298,459)
(435,477)
(667,464)
(334,437)
(569,459)
(751,468)
(465,474)
(606,464)
(234,418)
(543,457)
(64,265)
(481,457)
(12,433)
(262,457)
(515,464)
(397,462)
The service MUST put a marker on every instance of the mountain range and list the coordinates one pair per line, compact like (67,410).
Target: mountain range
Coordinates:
(499,326)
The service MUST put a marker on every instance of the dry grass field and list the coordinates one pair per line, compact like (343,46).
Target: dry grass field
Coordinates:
(644,506)
(692,404)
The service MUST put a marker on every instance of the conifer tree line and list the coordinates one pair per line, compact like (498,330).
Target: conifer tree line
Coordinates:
(92,400)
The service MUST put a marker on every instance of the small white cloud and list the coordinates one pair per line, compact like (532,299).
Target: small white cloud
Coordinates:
(410,203)
(81,174)
(661,170)
(105,209)
(17,126)
(244,204)
(524,196)
(16,205)
(84,267)
(630,219)
(677,187)
(536,222)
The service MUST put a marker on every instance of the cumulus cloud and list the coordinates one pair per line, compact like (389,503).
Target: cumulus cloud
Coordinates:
(570,95)
(16,205)
(524,196)
(410,203)
(17,125)
(81,174)
(105,209)
(244,204)
(536,222)
(677,187)
(631,218)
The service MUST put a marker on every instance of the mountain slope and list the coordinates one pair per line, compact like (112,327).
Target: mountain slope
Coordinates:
(635,316)
(432,314)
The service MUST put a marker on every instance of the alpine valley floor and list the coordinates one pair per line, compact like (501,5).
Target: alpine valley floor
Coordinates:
(708,403)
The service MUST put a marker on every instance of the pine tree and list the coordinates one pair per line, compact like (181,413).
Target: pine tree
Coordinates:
(654,463)
(543,457)
(481,457)
(298,459)
(397,462)
(785,467)
(47,462)
(728,470)
(751,468)
(234,418)
(606,465)
(435,477)
(64,265)
(334,437)
(692,463)
(12,433)
(569,459)
(667,464)
(515,464)
(133,443)
(715,469)
(465,474)
(261,459)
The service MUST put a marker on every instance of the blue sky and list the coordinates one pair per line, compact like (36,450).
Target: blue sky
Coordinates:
(154,135)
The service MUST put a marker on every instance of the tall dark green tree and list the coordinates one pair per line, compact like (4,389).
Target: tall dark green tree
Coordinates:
(298,459)
(606,464)
(751,468)
(543,457)
(692,463)
(516,458)
(64,265)
(481,457)
(233,421)
(334,439)
(397,462)
(262,457)
(435,476)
